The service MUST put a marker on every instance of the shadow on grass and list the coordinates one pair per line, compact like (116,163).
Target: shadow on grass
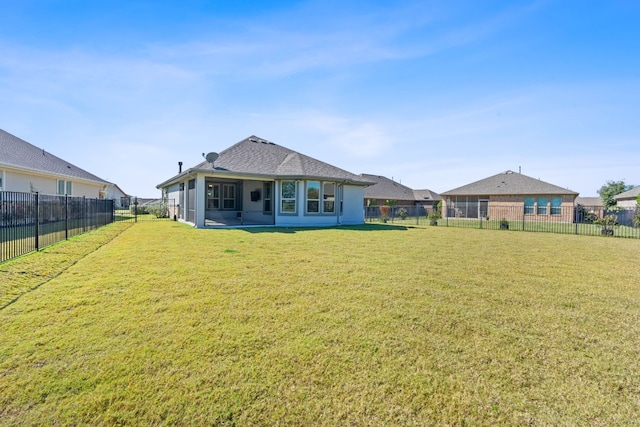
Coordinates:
(364,227)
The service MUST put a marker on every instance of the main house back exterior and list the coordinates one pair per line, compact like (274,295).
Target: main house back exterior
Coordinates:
(257,182)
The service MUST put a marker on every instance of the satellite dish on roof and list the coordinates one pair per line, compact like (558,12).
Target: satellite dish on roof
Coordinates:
(211,157)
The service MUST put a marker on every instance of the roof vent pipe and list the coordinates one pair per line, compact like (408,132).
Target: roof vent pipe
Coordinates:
(179,167)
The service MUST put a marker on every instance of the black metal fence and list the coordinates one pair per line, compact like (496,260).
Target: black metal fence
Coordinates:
(145,210)
(582,220)
(31,221)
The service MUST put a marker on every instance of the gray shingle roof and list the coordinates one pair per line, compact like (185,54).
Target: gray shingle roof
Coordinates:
(426,195)
(15,152)
(508,183)
(589,201)
(257,156)
(385,188)
(629,195)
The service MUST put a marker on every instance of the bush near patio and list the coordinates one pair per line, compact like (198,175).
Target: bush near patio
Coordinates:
(445,326)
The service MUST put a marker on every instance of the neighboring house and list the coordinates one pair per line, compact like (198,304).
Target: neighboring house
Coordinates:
(510,195)
(589,207)
(122,199)
(384,190)
(29,169)
(628,199)
(257,182)
(427,198)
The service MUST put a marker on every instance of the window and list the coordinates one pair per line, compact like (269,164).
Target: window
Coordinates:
(556,205)
(288,197)
(213,196)
(542,205)
(321,197)
(64,187)
(228,196)
(267,197)
(1,176)
(328,197)
(529,205)
(313,197)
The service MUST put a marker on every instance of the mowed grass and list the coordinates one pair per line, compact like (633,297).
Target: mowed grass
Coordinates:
(371,325)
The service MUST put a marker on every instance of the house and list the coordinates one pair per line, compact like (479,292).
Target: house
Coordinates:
(385,190)
(589,208)
(427,198)
(257,182)
(628,199)
(510,195)
(29,169)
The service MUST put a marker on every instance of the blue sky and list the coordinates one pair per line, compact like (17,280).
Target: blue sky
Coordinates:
(434,94)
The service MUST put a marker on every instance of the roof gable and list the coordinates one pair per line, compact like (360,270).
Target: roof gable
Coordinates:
(630,194)
(385,188)
(508,183)
(257,156)
(423,195)
(17,153)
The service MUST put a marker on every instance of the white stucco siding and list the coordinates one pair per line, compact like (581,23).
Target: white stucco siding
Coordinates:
(43,184)
(627,203)
(172,194)
(352,210)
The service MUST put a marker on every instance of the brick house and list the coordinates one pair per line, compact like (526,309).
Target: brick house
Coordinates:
(385,189)
(512,196)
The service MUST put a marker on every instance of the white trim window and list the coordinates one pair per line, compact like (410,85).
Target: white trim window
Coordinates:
(542,205)
(228,196)
(529,205)
(1,180)
(321,197)
(65,187)
(556,206)
(267,186)
(288,197)
(213,196)
(329,197)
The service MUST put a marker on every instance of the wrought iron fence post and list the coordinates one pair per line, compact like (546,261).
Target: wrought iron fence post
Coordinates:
(37,223)
(66,217)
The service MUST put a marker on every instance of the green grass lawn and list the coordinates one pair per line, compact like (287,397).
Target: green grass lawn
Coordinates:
(371,325)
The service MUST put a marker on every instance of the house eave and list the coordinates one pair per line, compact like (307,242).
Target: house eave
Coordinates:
(47,174)
(257,176)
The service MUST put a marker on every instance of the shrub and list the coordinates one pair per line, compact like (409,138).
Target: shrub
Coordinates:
(403,213)
(159,210)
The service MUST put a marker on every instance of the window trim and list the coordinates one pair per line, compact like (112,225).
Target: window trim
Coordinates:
(64,188)
(325,200)
(293,199)
(555,210)
(321,198)
(531,208)
(316,200)
(267,200)
(542,209)
(213,200)
(229,196)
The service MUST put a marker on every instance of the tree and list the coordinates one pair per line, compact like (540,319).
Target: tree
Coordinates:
(611,189)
